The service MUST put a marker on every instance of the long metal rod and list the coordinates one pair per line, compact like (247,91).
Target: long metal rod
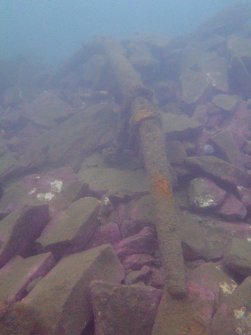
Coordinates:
(144,117)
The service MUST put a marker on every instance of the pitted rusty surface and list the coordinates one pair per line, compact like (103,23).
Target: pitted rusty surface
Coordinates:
(162,187)
(141,115)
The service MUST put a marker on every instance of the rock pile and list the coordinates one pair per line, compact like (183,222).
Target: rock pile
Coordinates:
(78,246)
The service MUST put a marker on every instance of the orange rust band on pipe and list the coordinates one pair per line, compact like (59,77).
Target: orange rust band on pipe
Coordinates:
(162,187)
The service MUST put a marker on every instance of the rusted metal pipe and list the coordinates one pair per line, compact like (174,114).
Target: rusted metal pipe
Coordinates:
(158,171)
(143,114)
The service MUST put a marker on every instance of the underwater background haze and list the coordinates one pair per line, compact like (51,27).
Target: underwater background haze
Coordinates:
(51,30)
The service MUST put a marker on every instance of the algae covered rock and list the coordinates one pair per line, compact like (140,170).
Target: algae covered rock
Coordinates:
(59,304)
(123,309)
(237,256)
(204,194)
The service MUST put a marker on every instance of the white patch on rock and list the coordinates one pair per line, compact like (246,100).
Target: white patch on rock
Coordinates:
(227,288)
(205,201)
(211,77)
(45,196)
(249,239)
(32,191)
(240,313)
(56,185)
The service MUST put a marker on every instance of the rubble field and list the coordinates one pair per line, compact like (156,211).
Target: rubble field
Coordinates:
(79,252)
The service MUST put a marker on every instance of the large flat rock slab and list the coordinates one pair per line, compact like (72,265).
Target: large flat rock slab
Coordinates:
(59,303)
(218,169)
(120,182)
(201,239)
(73,228)
(179,126)
(70,141)
(19,274)
(226,102)
(203,72)
(47,109)
(57,187)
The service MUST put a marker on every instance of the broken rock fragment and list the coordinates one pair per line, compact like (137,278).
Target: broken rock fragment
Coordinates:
(237,256)
(179,126)
(212,277)
(143,242)
(73,229)
(232,208)
(226,102)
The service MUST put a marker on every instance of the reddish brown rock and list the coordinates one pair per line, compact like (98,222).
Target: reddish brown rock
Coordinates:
(143,242)
(123,310)
(232,209)
(107,233)
(136,261)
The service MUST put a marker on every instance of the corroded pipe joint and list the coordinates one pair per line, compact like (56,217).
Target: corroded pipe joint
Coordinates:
(141,115)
